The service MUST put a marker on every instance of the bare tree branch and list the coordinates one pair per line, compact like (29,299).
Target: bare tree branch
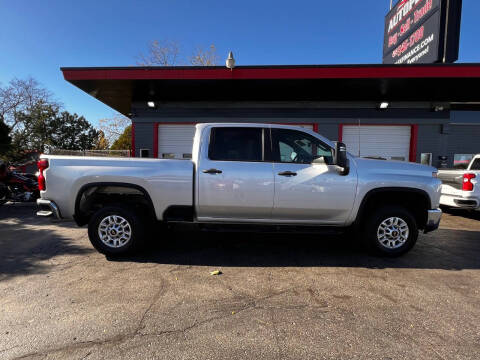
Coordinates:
(113,127)
(202,57)
(165,53)
(19,96)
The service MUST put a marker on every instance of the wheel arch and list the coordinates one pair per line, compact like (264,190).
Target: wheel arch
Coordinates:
(403,196)
(90,188)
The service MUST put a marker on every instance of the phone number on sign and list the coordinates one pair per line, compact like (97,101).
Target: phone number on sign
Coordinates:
(408,43)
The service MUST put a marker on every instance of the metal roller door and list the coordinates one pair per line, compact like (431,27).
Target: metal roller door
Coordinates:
(388,142)
(175,141)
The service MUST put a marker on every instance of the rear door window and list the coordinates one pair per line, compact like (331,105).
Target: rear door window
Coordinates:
(236,144)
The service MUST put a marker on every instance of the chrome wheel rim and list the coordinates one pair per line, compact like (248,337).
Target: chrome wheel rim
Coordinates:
(114,231)
(393,233)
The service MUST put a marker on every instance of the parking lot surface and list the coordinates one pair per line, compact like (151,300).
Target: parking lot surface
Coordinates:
(278,297)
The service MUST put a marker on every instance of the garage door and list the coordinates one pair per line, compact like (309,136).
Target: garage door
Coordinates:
(388,142)
(175,141)
(305,126)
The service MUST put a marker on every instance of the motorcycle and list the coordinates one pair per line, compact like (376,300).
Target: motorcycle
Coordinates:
(17,187)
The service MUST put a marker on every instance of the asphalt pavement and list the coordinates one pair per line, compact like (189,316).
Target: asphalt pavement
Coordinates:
(279,296)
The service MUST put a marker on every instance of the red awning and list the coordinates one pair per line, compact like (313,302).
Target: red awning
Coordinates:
(118,87)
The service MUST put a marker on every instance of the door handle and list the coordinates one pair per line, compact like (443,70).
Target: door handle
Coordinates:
(287,173)
(212,171)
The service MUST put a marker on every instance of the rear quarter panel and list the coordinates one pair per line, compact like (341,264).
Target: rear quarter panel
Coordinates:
(168,182)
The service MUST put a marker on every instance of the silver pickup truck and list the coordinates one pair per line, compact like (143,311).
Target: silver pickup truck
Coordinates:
(273,176)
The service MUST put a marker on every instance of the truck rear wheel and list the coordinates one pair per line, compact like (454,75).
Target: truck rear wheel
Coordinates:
(115,230)
(391,231)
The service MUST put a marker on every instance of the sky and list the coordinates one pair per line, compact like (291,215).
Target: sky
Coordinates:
(38,37)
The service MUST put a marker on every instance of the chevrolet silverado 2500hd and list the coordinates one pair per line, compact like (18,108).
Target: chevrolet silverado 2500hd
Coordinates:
(244,174)
(460,188)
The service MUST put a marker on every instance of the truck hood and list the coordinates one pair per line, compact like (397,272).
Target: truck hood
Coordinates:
(393,167)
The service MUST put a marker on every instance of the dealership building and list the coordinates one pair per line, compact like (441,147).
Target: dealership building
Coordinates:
(418,113)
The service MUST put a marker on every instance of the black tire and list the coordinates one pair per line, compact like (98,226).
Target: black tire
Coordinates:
(397,247)
(135,225)
(3,194)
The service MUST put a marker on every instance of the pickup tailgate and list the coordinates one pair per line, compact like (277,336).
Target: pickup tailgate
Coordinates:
(451,179)
(167,182)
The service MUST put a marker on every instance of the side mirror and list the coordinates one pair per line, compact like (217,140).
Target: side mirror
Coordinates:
(340,158)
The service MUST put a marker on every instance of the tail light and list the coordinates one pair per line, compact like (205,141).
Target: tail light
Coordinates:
(42,164)
(467,182)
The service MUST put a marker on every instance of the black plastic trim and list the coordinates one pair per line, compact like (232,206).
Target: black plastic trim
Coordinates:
(373,192)
(81,221)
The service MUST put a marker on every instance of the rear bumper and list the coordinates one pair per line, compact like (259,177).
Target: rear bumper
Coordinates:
(47,208)
(433,220)
(460,202)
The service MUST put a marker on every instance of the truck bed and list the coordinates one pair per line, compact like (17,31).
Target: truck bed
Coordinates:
(167,181)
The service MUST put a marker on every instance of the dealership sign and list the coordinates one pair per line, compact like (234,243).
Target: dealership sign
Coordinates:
(422,31)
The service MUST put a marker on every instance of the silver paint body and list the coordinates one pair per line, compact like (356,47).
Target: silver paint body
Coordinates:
(450,195)
(245,192)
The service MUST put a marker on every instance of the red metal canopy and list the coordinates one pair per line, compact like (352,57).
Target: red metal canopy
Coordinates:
(118,87)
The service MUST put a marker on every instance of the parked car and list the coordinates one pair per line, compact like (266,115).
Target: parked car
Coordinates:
(278,176)
(461,188)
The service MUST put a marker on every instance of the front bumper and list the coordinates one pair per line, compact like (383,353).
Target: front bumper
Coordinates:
(433,220)
(47,208)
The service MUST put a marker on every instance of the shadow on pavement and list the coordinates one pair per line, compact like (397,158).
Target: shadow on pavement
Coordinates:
(27,241)
(443,249)
(469,214)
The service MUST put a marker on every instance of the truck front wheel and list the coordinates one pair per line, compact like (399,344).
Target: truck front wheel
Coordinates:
(391,231)
(114,230)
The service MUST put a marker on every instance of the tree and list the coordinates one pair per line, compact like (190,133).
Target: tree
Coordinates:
(19,96)
(36,130)
(167,53)
(5,139)
(45,127)
(114,127)
(202,57)
(72,132)
(160,53)
(101,143)
(124,142)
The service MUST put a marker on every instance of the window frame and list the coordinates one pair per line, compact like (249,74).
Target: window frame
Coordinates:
(463,161)
(472,163)
(265,150)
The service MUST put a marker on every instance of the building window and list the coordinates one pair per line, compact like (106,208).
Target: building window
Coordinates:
(426,159)
(168,156)
(461,161)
